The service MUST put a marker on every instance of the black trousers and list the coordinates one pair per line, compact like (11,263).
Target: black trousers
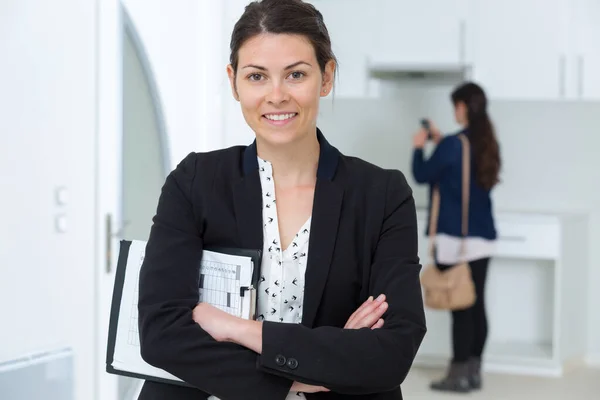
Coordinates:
(470,326)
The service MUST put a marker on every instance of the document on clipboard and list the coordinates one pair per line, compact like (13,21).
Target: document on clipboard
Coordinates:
(228,280)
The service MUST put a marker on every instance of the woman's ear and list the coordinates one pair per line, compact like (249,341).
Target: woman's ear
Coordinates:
(231,75)
(328,77)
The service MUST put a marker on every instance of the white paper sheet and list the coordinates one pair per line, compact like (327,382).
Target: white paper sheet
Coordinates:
(221,277)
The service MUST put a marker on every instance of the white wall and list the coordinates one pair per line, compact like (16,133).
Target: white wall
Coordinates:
(47,107)
(235,129)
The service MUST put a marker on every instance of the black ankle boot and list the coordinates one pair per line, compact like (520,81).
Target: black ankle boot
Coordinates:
(475,372)
(457,379)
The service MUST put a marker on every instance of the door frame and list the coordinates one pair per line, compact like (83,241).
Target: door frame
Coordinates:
(109,138)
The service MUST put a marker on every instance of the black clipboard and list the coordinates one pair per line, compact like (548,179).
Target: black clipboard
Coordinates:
(254,255)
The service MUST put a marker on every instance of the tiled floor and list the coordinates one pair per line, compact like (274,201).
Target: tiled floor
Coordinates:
(580,384)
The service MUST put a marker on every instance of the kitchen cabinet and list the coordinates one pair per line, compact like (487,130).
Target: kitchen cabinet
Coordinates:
(533,298)
(520,48)
(585,54)
(352,36)
(420,33)
(383,34)
(517,50)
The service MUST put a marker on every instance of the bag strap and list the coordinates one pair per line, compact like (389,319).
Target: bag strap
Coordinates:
(435,200)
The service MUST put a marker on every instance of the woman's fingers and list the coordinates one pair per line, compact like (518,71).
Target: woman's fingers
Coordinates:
(367,314)
(369,319)
(358,310)
(378,324)
(304,388)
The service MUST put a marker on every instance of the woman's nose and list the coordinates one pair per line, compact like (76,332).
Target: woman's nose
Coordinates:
(277,94)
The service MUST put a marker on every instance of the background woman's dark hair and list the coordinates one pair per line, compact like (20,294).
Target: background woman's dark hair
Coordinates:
(282,16)
(486,151)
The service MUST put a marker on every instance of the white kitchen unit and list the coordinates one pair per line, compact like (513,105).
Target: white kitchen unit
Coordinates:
(393,36)
(520,48)
(426,32)
(351,33)
(584,55)
(535,297)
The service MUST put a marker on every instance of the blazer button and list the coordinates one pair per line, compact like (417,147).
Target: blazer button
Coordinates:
(280,360)
(292,363)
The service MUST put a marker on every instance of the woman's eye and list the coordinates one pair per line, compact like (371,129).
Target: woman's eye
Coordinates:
(255,77)
(297,75)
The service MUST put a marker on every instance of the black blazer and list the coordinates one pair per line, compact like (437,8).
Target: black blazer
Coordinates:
(363,242)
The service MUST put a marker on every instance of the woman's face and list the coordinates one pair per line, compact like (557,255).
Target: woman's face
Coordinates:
(279,84)
(460,114)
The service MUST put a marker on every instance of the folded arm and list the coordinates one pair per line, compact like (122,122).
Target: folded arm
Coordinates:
(359,361)
(168,293)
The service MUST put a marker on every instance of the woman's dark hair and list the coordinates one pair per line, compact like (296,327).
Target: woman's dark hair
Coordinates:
(486,151)
(282,16)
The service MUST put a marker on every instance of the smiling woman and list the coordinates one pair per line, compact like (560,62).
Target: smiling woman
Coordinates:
(279,84)
(335,233)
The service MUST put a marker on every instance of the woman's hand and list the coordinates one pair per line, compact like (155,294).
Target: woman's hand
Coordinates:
(217,323)
(223,327)
(304,388)
(436,134)
(369,314)
(420,138)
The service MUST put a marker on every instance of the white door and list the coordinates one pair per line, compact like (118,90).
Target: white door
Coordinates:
(161,74)
(133,165)
(47,144)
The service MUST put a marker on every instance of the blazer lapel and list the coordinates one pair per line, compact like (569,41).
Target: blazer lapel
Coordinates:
(327,207)
(248,211)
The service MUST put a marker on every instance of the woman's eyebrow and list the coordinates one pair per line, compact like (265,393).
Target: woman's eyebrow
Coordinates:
(288,67)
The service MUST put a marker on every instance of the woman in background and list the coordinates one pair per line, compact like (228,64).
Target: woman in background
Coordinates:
(444,168)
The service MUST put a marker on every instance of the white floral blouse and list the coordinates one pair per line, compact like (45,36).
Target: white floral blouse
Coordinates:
(281,286)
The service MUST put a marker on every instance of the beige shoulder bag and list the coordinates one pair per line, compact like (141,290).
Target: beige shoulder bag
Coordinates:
(452,289)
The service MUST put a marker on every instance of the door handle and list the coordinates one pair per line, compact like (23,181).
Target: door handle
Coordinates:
(108,243)
(109,236)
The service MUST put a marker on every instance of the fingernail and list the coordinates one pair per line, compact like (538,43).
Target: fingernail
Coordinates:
(383,306)
(381,297)
(370,299)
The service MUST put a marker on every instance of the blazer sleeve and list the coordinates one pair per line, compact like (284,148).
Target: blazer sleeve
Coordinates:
(429,171)
(168,293)
(364,361)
